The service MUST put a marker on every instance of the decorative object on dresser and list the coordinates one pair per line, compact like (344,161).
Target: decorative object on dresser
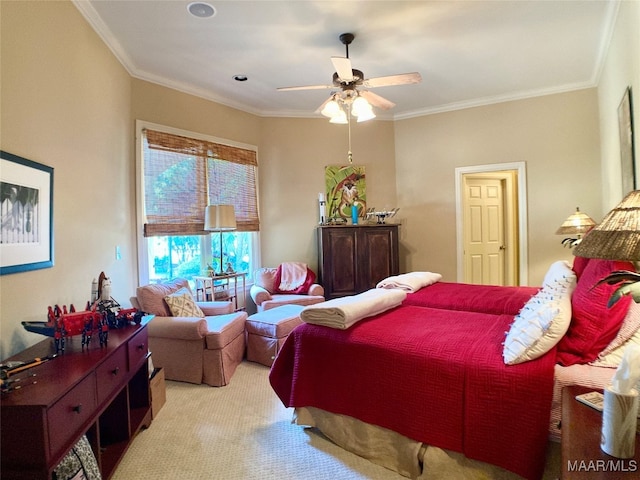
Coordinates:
(268,290)
(576,224)
(353,259)
(103,394)
(381,215)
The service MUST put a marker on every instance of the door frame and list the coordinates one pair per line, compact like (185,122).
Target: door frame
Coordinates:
(523,257)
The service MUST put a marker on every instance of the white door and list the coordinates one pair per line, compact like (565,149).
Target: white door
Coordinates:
(484,230)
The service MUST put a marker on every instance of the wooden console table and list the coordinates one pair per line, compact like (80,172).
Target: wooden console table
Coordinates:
(102,392)
(582,457)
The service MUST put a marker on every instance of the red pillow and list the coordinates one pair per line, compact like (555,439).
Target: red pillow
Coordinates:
(304,288)
(593,325)
(579,264)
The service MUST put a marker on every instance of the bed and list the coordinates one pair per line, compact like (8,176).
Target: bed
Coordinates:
(432,370)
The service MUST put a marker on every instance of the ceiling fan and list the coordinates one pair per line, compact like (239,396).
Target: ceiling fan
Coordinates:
(353,85)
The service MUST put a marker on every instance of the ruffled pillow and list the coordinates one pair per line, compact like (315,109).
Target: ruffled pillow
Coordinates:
(544,319)
(181,304)
(629,333)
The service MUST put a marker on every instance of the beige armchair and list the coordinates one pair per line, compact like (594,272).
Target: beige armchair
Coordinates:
(202,348)
(263,292)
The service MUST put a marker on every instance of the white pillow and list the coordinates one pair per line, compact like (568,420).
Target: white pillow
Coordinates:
(558,271)
(543,320)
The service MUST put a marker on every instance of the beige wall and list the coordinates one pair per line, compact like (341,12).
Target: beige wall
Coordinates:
(65,102)
(293,154)
(556,136)
(621,69)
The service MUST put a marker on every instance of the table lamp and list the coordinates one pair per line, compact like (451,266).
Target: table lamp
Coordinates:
(617,237)
(577,224)
(220,218)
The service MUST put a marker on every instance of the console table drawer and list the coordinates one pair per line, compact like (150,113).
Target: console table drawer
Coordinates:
(68,415)
(138,348)
(111,374)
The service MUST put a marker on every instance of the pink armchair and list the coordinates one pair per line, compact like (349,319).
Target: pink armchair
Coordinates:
(203,348)
(263,292)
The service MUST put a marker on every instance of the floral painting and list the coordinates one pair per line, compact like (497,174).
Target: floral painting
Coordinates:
(345,187)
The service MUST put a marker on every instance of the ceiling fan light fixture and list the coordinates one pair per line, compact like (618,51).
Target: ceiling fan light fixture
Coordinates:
(360,105)
(366,115)
(331,109)
(340,117)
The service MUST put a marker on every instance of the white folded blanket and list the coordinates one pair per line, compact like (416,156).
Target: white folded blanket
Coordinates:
(343,312)
(410,282)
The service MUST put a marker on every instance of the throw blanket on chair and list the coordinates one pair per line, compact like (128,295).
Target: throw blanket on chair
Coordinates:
(293,277)
(343,312)
(410,282)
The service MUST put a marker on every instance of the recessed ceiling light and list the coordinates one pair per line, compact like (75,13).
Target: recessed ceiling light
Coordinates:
(240,78)
(201,9)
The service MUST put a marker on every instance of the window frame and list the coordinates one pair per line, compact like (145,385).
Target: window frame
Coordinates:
(142,253)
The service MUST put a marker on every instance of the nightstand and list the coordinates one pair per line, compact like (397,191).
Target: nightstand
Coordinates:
(582,457)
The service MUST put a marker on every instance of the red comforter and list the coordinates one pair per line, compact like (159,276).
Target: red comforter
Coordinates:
(472,298)
(433,375)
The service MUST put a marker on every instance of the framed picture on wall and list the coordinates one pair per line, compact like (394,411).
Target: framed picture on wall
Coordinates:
(625,125)
(346,187)
(26,214)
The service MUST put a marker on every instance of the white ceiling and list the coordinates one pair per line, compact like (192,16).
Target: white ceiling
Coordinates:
(469,52)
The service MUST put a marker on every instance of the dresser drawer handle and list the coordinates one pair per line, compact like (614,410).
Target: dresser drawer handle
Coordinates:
(77,408)
(141,346)
(115,371)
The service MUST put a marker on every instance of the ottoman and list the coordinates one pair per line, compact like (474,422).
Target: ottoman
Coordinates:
(266,332)
(224,347)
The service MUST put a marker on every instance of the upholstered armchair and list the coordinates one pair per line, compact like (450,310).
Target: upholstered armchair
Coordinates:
(266,296)
(196,342)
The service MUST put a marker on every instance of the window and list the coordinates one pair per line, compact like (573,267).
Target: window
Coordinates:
(179,174)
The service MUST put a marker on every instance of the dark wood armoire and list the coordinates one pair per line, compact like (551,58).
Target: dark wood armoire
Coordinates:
(354,258)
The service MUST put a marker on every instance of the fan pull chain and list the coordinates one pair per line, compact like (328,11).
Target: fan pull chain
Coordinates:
(349,154)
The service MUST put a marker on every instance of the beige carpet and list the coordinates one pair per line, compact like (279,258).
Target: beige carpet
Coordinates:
(238,432)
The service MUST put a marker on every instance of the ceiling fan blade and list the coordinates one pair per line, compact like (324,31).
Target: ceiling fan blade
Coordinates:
(306,87)
(376,100)
(343,68)
(400,79)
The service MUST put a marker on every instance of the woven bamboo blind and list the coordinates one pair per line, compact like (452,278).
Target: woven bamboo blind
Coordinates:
(183,175)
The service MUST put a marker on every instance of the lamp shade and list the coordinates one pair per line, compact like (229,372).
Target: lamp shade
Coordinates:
(219,218)
(617,237)
(576,224)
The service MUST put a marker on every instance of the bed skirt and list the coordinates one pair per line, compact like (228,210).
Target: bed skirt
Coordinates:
(400,454)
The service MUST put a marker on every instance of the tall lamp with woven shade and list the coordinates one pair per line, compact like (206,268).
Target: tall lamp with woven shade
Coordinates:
(617,237)
(220,218)
(577,224)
